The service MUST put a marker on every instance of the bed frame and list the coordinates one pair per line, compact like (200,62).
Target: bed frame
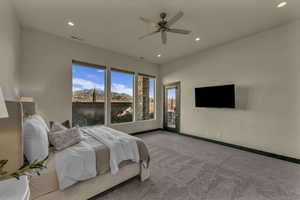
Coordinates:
(94,186)
(79,191)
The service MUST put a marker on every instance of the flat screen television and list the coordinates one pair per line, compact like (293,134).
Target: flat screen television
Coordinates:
(216,96)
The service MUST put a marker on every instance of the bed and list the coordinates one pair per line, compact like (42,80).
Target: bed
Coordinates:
(46,186)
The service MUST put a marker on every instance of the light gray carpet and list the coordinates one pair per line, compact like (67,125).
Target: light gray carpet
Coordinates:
(184,168)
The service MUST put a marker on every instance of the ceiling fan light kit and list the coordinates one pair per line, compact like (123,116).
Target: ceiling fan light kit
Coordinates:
(164,26)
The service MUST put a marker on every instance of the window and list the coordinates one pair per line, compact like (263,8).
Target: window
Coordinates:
(127,102)
(121,96)
(145,97)
(88,94)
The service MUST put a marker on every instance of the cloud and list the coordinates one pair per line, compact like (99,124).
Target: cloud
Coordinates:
(76,88)
(79,83)
(120,88)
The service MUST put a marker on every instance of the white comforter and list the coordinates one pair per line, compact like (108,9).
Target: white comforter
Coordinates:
(78,163)
(121,145)
(74,164)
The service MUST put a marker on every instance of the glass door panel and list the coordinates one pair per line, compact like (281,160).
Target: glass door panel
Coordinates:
(172,107)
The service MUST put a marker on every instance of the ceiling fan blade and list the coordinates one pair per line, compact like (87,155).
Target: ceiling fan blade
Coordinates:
(180,31)
(164,37)
(175,18)
(149,34)
(149,22)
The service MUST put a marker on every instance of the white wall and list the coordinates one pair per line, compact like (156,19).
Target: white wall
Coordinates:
(266,70)
(46,76)
(9,50)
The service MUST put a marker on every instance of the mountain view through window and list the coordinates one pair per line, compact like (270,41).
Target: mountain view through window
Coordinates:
(88,107)
(121,97)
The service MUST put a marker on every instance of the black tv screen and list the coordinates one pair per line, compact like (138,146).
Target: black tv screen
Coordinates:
(216,96)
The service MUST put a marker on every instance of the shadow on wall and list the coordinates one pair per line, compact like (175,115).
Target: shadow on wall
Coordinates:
(242,97)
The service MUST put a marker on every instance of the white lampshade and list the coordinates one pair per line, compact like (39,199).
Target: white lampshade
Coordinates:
(3,110)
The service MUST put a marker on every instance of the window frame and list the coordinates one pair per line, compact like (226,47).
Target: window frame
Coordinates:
(107,91)
(133,94)
(86,64)
(95,66)
(154,95)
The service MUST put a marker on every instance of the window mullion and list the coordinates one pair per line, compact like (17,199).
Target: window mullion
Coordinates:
(135,97)
(108,97)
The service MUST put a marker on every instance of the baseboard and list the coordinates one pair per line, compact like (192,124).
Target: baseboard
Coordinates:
(263,153)
(147,131)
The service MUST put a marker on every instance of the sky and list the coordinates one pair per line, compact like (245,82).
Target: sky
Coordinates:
(90,78)
(172,93)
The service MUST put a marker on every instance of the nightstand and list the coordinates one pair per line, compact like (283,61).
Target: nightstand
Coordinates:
(13,189)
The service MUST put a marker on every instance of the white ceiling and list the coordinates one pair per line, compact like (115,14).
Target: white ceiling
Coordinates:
(115,24)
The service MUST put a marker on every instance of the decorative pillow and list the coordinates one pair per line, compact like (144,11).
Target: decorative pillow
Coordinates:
(65,138)
(55,127)
(35,139)
(66,124)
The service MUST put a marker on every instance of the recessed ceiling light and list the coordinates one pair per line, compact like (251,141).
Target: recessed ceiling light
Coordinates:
(197,39)
(71,23)
(282,4)
(159,55)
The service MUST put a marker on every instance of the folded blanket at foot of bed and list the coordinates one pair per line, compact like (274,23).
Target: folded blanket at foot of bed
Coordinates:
(102,150)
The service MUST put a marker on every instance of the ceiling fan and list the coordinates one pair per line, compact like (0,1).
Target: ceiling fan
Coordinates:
(164,26)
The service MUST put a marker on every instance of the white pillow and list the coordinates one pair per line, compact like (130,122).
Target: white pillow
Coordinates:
(42,120)
(35,139)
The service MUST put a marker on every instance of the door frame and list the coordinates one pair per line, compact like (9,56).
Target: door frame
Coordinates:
(176,85)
